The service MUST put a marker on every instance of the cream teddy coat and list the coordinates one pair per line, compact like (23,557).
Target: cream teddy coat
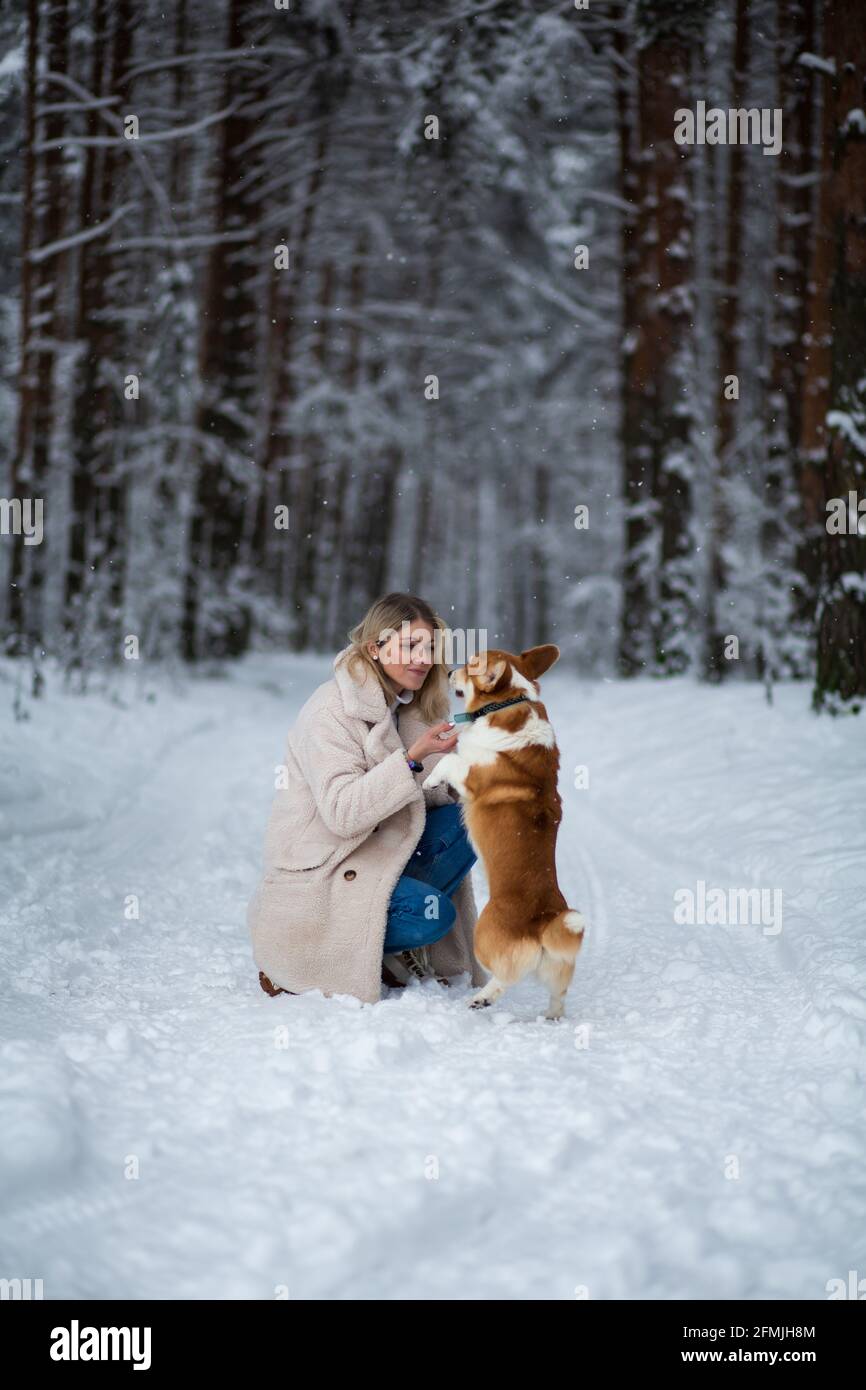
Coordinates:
(341,830)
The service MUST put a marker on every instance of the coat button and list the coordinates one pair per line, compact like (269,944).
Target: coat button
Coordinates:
(350,874)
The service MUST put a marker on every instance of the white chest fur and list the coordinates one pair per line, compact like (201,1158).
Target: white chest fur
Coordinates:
(480,744)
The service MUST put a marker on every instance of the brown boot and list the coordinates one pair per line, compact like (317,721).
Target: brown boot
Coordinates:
(419,964)
(269,987)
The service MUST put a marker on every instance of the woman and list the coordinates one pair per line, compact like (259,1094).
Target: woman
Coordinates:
(366,873)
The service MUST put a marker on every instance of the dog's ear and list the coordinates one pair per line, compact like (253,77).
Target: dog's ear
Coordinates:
(537,660)
(486,676)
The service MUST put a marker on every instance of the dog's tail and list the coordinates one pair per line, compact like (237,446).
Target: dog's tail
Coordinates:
(563,934)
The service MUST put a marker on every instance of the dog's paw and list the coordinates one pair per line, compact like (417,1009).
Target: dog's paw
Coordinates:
(479,1003)
(445,774)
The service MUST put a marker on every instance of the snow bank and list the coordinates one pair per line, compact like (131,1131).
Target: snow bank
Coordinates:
(693,1128)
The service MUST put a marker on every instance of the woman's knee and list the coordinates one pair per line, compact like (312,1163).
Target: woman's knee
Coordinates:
(444,827)
(434,909)
(443,910)
(419,914)
(442,816)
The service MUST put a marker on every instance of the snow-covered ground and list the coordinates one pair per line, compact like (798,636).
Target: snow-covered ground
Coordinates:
(693,1128)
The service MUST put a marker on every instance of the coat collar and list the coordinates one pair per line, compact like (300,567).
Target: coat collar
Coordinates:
(363,698)
(404,698)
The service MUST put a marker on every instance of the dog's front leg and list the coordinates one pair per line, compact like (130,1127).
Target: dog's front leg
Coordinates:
(449,770)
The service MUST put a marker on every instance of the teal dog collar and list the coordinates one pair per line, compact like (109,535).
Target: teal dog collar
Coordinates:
(487,709)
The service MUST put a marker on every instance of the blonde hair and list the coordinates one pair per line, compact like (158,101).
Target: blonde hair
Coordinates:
(386,615)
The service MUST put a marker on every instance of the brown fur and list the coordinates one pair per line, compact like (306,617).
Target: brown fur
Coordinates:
(512,811)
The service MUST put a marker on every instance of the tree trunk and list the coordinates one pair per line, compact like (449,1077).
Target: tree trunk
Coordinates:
(664,74)
(635,370)
(217,618)
(109,527)
(789,560)
(313,488)
(341,523)
(41,315)
(275,549)
(729,313)
(84,378)
(22,461)
(840,681)
(94,574)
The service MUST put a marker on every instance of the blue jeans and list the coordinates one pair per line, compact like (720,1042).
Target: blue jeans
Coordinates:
(421,910)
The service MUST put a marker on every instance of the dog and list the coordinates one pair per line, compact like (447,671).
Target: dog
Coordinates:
(504,770)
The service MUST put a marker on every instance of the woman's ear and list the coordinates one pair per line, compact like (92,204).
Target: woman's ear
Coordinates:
(537,660)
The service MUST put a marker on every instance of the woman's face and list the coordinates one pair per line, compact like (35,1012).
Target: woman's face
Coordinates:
(406,656)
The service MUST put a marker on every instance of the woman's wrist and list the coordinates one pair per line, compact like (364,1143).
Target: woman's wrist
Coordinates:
(414,763)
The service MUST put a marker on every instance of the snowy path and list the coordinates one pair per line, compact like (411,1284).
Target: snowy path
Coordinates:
(311,1165)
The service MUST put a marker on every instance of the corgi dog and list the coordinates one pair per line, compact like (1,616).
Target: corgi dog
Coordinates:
(504,769)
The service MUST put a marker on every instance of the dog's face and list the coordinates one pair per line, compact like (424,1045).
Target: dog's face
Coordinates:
(494,675)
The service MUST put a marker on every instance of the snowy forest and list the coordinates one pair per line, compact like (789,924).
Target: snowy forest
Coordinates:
(302,302)
(553,314)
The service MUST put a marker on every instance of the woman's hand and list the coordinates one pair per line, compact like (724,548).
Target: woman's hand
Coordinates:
(430,742)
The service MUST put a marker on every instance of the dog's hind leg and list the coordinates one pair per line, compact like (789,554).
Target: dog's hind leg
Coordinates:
(555,973)
(507,960)
(561,940)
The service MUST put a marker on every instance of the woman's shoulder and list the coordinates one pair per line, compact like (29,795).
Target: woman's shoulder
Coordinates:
(335,701)
(325,699)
